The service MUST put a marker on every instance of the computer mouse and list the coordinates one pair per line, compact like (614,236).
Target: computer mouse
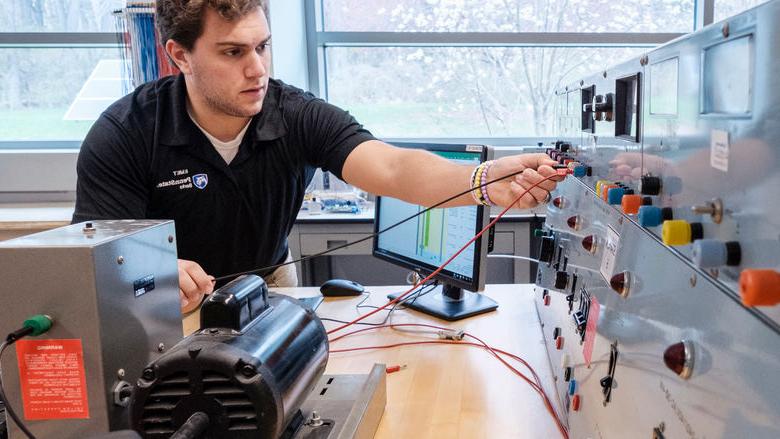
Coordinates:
(341,287)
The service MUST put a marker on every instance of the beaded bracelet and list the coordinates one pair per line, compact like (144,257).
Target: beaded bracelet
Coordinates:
(478,184)
(475,192)
(485,186)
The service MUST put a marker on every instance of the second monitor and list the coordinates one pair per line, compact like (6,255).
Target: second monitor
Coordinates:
(427,241)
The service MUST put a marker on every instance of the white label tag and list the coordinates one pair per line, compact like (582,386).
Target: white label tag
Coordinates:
(719,150)
(610,253)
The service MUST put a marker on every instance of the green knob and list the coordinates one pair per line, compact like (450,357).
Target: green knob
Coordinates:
(38,323)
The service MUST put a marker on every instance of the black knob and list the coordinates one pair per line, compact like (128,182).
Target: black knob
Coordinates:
(561,280)
(667,213)
(565,147)
(547,249)
(650,185)
(647,201)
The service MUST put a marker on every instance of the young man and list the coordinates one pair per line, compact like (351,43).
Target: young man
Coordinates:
(227,152)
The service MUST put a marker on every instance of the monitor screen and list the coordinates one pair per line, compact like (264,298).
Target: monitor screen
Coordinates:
(430,239)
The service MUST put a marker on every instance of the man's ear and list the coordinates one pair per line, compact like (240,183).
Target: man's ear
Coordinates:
(178,54)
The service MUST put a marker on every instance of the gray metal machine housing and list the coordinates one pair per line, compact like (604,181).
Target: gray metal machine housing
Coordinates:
(112,285)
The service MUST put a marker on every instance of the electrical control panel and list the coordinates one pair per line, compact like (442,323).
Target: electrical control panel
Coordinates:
(659,278)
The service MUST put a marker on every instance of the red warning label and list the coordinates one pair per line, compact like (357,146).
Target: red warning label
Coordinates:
(590,329)
(53,381)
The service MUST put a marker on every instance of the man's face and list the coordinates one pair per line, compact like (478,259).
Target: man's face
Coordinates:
(229,64)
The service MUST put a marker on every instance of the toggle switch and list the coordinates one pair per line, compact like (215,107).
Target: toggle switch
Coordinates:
(572,387)
(621,283)
(559,202)
(651,216)
(759,287)
(714,209)
(615,195)
(679,358)
(631,204)
(556,333)
(711,253)
(589,243)
(559,342)
(681,232)
(546,300)
(567,374)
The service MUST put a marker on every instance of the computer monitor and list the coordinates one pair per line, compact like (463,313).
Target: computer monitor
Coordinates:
(425,242)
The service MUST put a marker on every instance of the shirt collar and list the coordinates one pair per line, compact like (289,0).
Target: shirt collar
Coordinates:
(176,127)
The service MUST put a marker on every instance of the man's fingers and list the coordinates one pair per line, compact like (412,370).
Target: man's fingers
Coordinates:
(527,200)
(532,177)
(204,281)
(183,299)
(547,171)
(187,286)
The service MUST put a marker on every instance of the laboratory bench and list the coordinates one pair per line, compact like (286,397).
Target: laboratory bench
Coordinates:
(446,390)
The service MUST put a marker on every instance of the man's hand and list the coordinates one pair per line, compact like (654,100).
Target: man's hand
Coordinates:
(194,283)
(534,167)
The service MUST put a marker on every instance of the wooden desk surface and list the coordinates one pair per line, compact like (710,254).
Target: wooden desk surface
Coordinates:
(451,391)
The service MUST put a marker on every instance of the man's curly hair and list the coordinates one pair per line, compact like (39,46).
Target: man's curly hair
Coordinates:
(182,20)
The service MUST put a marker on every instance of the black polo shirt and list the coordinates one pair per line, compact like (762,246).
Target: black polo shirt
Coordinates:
(145,158)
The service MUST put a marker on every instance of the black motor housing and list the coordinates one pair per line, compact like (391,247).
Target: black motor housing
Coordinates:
(249,370)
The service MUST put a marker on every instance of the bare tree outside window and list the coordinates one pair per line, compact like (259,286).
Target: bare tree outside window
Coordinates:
(477,91)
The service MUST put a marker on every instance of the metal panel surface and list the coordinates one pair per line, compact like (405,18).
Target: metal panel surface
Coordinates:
(97,285)
(692,356)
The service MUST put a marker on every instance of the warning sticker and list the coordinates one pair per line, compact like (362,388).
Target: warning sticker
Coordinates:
(53,381)
(590,329)
(719,150)
(610,254)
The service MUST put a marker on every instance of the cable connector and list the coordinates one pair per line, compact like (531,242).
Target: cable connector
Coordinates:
(396,368)
(35,325)
(451,334)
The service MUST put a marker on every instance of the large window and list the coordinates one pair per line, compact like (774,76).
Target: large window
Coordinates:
(474,68)
(61,68)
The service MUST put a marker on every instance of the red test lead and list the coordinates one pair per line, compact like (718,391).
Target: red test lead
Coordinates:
(396,368)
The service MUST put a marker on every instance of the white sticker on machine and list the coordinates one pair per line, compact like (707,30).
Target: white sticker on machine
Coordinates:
(719,150)
(610,253)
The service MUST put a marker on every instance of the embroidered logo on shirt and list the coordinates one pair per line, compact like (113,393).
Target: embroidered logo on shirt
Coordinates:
(200,180)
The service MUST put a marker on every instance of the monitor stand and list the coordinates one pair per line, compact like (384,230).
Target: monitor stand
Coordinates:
(449,302)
